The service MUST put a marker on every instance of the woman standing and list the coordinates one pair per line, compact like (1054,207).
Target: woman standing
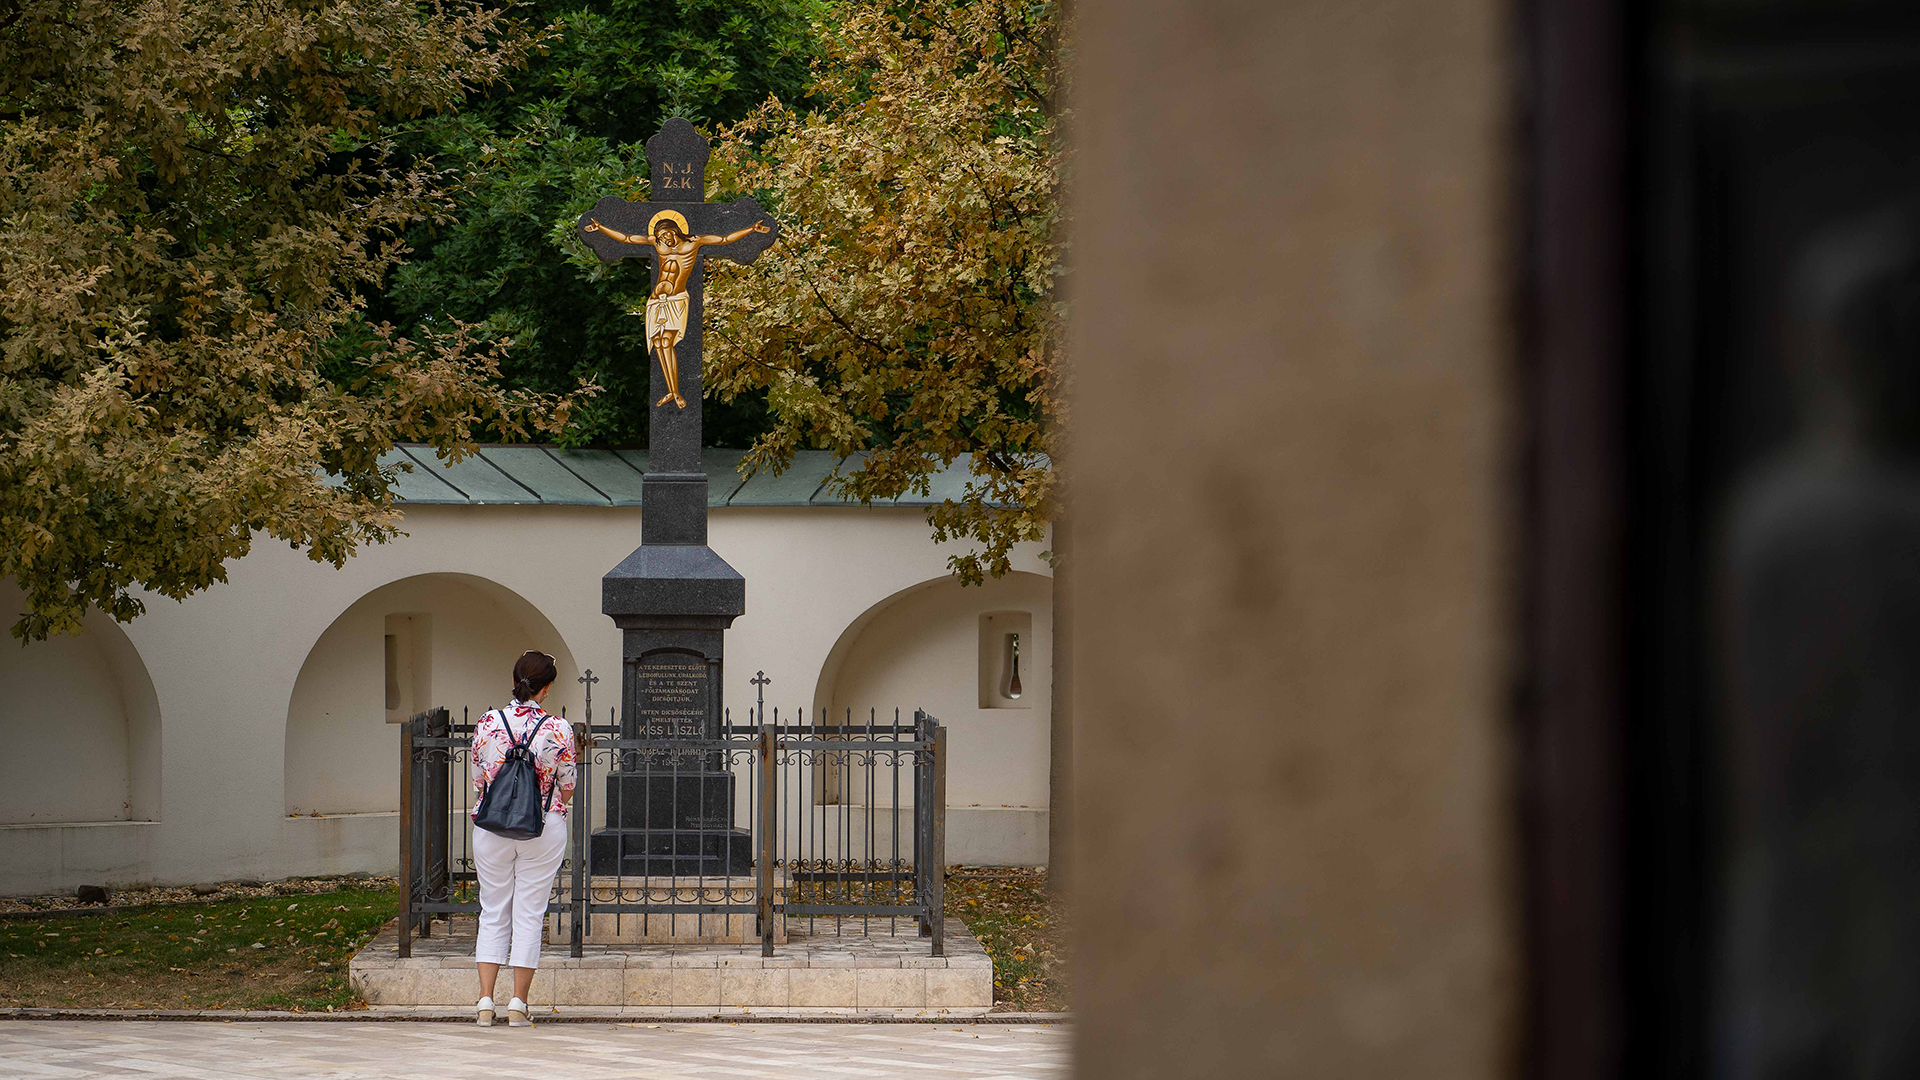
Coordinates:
(515,875)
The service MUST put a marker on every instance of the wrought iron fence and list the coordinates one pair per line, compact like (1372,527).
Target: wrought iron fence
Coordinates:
(705,839)
(862,801)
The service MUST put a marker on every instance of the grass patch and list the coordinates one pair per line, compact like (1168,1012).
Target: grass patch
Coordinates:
(203,955)
(1011,913)
(282,952)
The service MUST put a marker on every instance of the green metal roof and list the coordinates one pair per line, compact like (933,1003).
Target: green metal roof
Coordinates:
(610,477)
(547,475)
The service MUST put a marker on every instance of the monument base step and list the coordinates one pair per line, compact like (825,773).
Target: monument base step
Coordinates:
(674,928)
(671,852)
(877,965)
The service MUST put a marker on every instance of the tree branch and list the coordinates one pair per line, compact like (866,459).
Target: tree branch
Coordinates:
(842,323)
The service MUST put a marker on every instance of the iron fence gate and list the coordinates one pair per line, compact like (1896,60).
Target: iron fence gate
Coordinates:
(773,823)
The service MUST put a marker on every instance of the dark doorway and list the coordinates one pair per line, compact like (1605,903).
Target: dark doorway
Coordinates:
(1686,154)
(1763,125)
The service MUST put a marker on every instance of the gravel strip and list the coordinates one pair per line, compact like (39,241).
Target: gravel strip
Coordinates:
(119,899)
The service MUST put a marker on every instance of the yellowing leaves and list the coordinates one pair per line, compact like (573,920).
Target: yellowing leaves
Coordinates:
(175,269)
(910,311)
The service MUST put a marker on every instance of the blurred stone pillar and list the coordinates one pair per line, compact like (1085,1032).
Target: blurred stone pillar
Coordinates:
(1295,851)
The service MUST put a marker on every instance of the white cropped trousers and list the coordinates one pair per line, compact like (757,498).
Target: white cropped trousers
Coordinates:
(515,877)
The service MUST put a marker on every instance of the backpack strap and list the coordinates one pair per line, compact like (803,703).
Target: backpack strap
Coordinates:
(527,745)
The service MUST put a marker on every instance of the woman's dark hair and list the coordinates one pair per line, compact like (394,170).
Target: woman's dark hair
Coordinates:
(531,673)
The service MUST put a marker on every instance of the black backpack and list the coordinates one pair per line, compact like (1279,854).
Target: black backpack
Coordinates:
(511,805)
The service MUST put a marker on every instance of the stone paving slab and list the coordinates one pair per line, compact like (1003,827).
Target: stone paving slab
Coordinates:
(633,1051)
(546,1014)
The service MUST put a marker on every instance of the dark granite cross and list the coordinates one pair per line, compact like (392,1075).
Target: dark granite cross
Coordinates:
(677,231)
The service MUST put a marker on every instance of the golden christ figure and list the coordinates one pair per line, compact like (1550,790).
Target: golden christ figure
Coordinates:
(667,304)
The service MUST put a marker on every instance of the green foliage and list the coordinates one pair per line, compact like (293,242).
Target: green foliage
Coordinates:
(569,131)
(909,311)
(193,195)
(267,953)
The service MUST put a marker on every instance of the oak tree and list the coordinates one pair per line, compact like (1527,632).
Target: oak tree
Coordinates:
(911,313)
(194,195)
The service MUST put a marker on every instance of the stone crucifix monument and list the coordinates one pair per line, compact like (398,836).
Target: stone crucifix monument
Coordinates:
(671,814)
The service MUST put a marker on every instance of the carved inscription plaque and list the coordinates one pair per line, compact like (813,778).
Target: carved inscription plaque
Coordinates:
(677,175)
(672,692)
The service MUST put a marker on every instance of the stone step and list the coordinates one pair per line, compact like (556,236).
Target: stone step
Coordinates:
(670,800)
(678,927)
(670,852)
(877,964)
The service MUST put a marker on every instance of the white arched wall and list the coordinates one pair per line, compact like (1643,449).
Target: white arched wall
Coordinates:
(224,664)
(82,724)
(341,745)
(921,648)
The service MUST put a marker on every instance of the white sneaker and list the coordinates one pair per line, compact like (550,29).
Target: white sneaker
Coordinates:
(517,1014)
(483,1012)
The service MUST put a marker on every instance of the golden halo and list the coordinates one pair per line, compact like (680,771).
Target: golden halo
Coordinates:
(670,215)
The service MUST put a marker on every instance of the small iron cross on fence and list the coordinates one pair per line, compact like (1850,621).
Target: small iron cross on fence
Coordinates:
(589,678)
(760,682)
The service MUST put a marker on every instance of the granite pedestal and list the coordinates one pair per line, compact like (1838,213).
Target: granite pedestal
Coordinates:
(670,823)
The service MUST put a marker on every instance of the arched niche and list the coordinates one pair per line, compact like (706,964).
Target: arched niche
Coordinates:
(82,726)
(942,647)
(408,646)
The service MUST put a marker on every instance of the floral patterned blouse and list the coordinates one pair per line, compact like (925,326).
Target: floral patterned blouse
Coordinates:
(553,755)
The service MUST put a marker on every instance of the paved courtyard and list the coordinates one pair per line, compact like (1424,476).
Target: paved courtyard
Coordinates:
(641,1051)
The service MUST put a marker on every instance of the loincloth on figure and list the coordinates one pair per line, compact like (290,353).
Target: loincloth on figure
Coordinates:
(667,313)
